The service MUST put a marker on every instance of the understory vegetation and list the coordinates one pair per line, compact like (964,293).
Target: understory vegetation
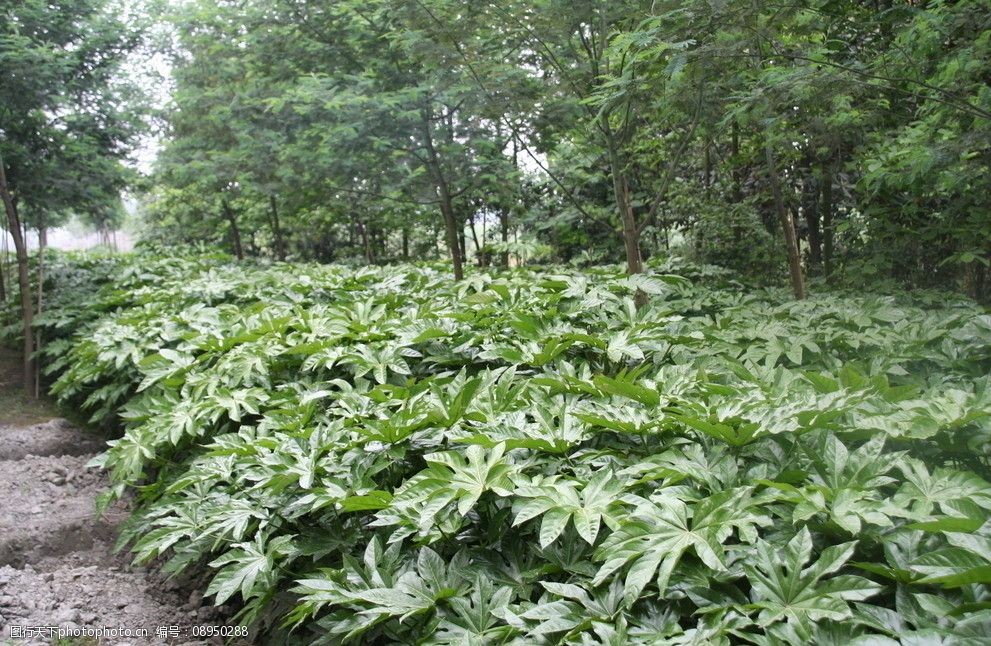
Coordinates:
(382,455)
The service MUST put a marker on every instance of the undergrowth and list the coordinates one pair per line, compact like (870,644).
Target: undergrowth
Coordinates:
(381,455)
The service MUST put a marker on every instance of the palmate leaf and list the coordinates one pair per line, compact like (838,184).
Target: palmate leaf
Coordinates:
(712,469)
(569,609)
(554,429)
(450,478)
(474,474)
(166,364)
(248,568)
(559,501)
(623,386)
(453,401)
(952,567)
(784,589)
(380,567)
(622,347)
(922,493)
(238,402)
(653,537)
(735,435)
(965,561)
(416,591)
(474,619)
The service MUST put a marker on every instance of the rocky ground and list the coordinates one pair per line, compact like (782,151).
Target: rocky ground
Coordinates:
(57,565)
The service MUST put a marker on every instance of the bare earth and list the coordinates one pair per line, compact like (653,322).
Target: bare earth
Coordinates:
(57,566)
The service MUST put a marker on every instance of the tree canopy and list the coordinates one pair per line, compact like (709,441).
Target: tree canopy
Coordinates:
(838,139)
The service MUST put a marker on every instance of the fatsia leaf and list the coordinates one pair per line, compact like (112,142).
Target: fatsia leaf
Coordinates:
(783,589)
(657,533)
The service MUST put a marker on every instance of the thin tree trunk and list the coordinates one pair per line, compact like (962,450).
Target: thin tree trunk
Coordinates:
(381,249)
(631,235)
(631,232)
(23,281)
(504,235)
(280,243)
(3,267)
(788,226)
(474,239)
(451,231)
(827,219)
(812,219)
(366,243)
(504,212)
(405,243)
(736,173)
(235,231)
(707,181)
(446,202)
(42,245)
(484,254)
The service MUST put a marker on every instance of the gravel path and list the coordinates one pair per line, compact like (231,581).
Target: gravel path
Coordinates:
(57,567)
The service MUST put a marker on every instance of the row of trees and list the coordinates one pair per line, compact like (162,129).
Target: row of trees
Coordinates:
(68,118)
(830,137)
(843,139)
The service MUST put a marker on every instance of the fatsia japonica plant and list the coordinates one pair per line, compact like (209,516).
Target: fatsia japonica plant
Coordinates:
(382,455)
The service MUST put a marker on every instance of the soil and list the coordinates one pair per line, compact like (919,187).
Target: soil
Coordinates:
(57,562)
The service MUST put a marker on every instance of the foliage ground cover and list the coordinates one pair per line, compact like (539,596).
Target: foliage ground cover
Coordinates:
(382,455)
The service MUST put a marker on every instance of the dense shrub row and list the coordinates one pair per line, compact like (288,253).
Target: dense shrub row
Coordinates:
(382,455)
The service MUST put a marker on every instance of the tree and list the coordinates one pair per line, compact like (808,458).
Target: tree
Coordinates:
(765,136)
(65,121)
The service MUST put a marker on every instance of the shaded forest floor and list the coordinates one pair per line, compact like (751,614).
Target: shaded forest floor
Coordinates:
(15,408)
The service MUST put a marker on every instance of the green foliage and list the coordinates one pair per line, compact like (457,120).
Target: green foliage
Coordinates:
(383,455)
(68,117)
(377,130)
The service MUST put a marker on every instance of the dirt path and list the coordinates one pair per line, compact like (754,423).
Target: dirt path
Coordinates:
(57,567)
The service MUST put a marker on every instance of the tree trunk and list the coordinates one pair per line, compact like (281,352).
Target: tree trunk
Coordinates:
(280,243)
(504,234)
(381,250)
(631,232)
(736,173)
(446,202)
(788,226)
(3,267)
(451,231)
(42,245)
(707,180)
(827,219)
(405,243)
(474,238)
(812,219)
(504,212)
(235,231)
(631,235)
(24,283)
(366,243)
